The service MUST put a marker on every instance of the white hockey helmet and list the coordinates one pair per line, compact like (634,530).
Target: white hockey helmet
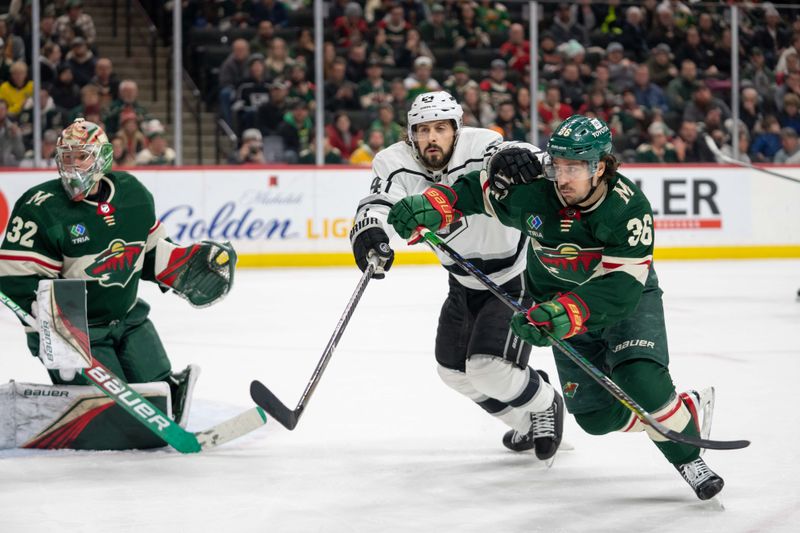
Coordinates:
(437,105)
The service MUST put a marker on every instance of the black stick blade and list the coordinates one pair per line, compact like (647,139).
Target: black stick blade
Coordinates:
(272,405)
(706,443)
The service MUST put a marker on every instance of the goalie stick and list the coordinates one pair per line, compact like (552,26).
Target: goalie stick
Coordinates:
(722,157)
(436,242)
(277,409)
(151,416)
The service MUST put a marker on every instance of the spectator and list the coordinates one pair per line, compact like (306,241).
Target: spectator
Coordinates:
(130,133)
(48,63)
(507,124)
(331,155)
(420,81)
(252,93)
(17,89)
(702,102)
(790,148)
(609,22)
(232,14)
(300,88)
(659,149)
(340,93)
(438,32)
(744,148)
(664,28)
(660,65)
(692,48)
(477,111)
(722,55)
(278,62)
(157,151)
(342,136)
(629,121)
(620,68)
(634,35)
(597,104)
(772,37)
(496,87)
(413,49)
(47,27)
(459,82)
(400,101)
(296,131)
(709,32)
(469,33)
(231,74)
(51,117)
(106,81)
(122,158)
(262,42)
(90,104)
(251,152)
(271,10)
(766,143)
(64,91)
(689,147)
(781,66)
(385,123)
(552,110)
(751,110)
(572,88)
(791,86)
(81,60)
(381,50)
(584,14)
(270,114)
(789,117)
(522,105)
(493,16)
(365,153)
(75,23)
(565,27)
(516,50)
(549,57)
(600,82)
(128,100)
(648,94)
(356,69)
(337,8)
(374,90)
(12,47)
(49,139)
(11,147)
(757,71)
(679,91)
(303,49)
(352,22)
(396,26)
(413,12)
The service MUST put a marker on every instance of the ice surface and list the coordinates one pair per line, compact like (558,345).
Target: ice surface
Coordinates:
(384,446)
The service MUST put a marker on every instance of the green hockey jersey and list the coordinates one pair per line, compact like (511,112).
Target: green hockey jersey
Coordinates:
(602,254)
(110,244)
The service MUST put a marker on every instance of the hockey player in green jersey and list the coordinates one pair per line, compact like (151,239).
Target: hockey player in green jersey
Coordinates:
(590,268)
(101,226)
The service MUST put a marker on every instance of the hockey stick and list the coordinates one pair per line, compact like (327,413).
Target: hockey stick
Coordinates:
(435,241)
(720,156)
(277,409)
(151,416)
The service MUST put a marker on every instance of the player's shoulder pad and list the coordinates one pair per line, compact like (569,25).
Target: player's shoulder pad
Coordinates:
(396,157)
(476,140)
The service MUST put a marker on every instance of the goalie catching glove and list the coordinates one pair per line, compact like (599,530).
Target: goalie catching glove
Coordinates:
(561,318)
(513,163)
(202,272)
(434,209)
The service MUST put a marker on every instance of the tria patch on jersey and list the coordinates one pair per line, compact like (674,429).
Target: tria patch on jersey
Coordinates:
(569,261)
(79,233)
(116,264)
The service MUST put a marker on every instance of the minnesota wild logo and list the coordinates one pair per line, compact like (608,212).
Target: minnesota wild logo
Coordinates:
(569,261)
(570,389)
(116,264)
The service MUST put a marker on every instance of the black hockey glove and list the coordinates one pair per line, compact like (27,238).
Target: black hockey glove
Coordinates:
(512,166)
(368,237)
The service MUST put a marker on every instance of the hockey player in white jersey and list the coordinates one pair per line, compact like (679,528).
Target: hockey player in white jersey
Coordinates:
(477,353)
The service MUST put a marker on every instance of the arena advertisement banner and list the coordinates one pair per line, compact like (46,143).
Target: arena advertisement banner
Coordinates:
(302,215)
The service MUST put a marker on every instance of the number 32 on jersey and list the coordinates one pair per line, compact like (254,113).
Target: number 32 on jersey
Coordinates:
(641,230)
(22,232)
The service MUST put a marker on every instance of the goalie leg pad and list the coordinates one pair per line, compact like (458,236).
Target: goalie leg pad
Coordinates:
(202,272)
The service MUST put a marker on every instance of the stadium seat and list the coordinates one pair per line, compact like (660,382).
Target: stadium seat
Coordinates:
(445,57)
(301,17)
(481,57)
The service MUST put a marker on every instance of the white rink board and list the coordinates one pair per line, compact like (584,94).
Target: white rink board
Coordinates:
(308,210)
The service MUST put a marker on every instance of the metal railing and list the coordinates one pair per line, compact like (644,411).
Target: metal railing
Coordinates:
(150,33)
(222,128)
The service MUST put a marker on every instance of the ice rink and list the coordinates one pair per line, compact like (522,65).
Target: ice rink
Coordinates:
(384,446)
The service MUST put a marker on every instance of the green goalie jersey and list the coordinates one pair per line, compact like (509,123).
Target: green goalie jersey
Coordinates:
(602,254)
(110,243)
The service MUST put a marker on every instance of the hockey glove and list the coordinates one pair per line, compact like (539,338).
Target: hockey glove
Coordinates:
(433,209)
(202,273)
(512,166)
(562,318)
(368,238)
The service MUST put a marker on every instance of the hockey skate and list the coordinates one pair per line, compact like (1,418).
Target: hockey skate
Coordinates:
(181,386)
(700,403)
(544,435)
(705,483)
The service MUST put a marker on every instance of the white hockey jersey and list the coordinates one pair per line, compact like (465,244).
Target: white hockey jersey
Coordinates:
(496,250)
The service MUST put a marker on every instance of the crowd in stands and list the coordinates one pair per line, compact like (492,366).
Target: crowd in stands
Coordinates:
(658,72)
(76,81)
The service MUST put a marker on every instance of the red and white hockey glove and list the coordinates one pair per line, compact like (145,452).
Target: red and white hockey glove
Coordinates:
(562,318)
(434,209)
(202,272)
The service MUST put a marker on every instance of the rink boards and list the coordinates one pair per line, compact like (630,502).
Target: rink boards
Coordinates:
(301,215)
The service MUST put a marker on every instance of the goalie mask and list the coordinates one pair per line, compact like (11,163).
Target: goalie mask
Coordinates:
(83,156)
(431,107)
